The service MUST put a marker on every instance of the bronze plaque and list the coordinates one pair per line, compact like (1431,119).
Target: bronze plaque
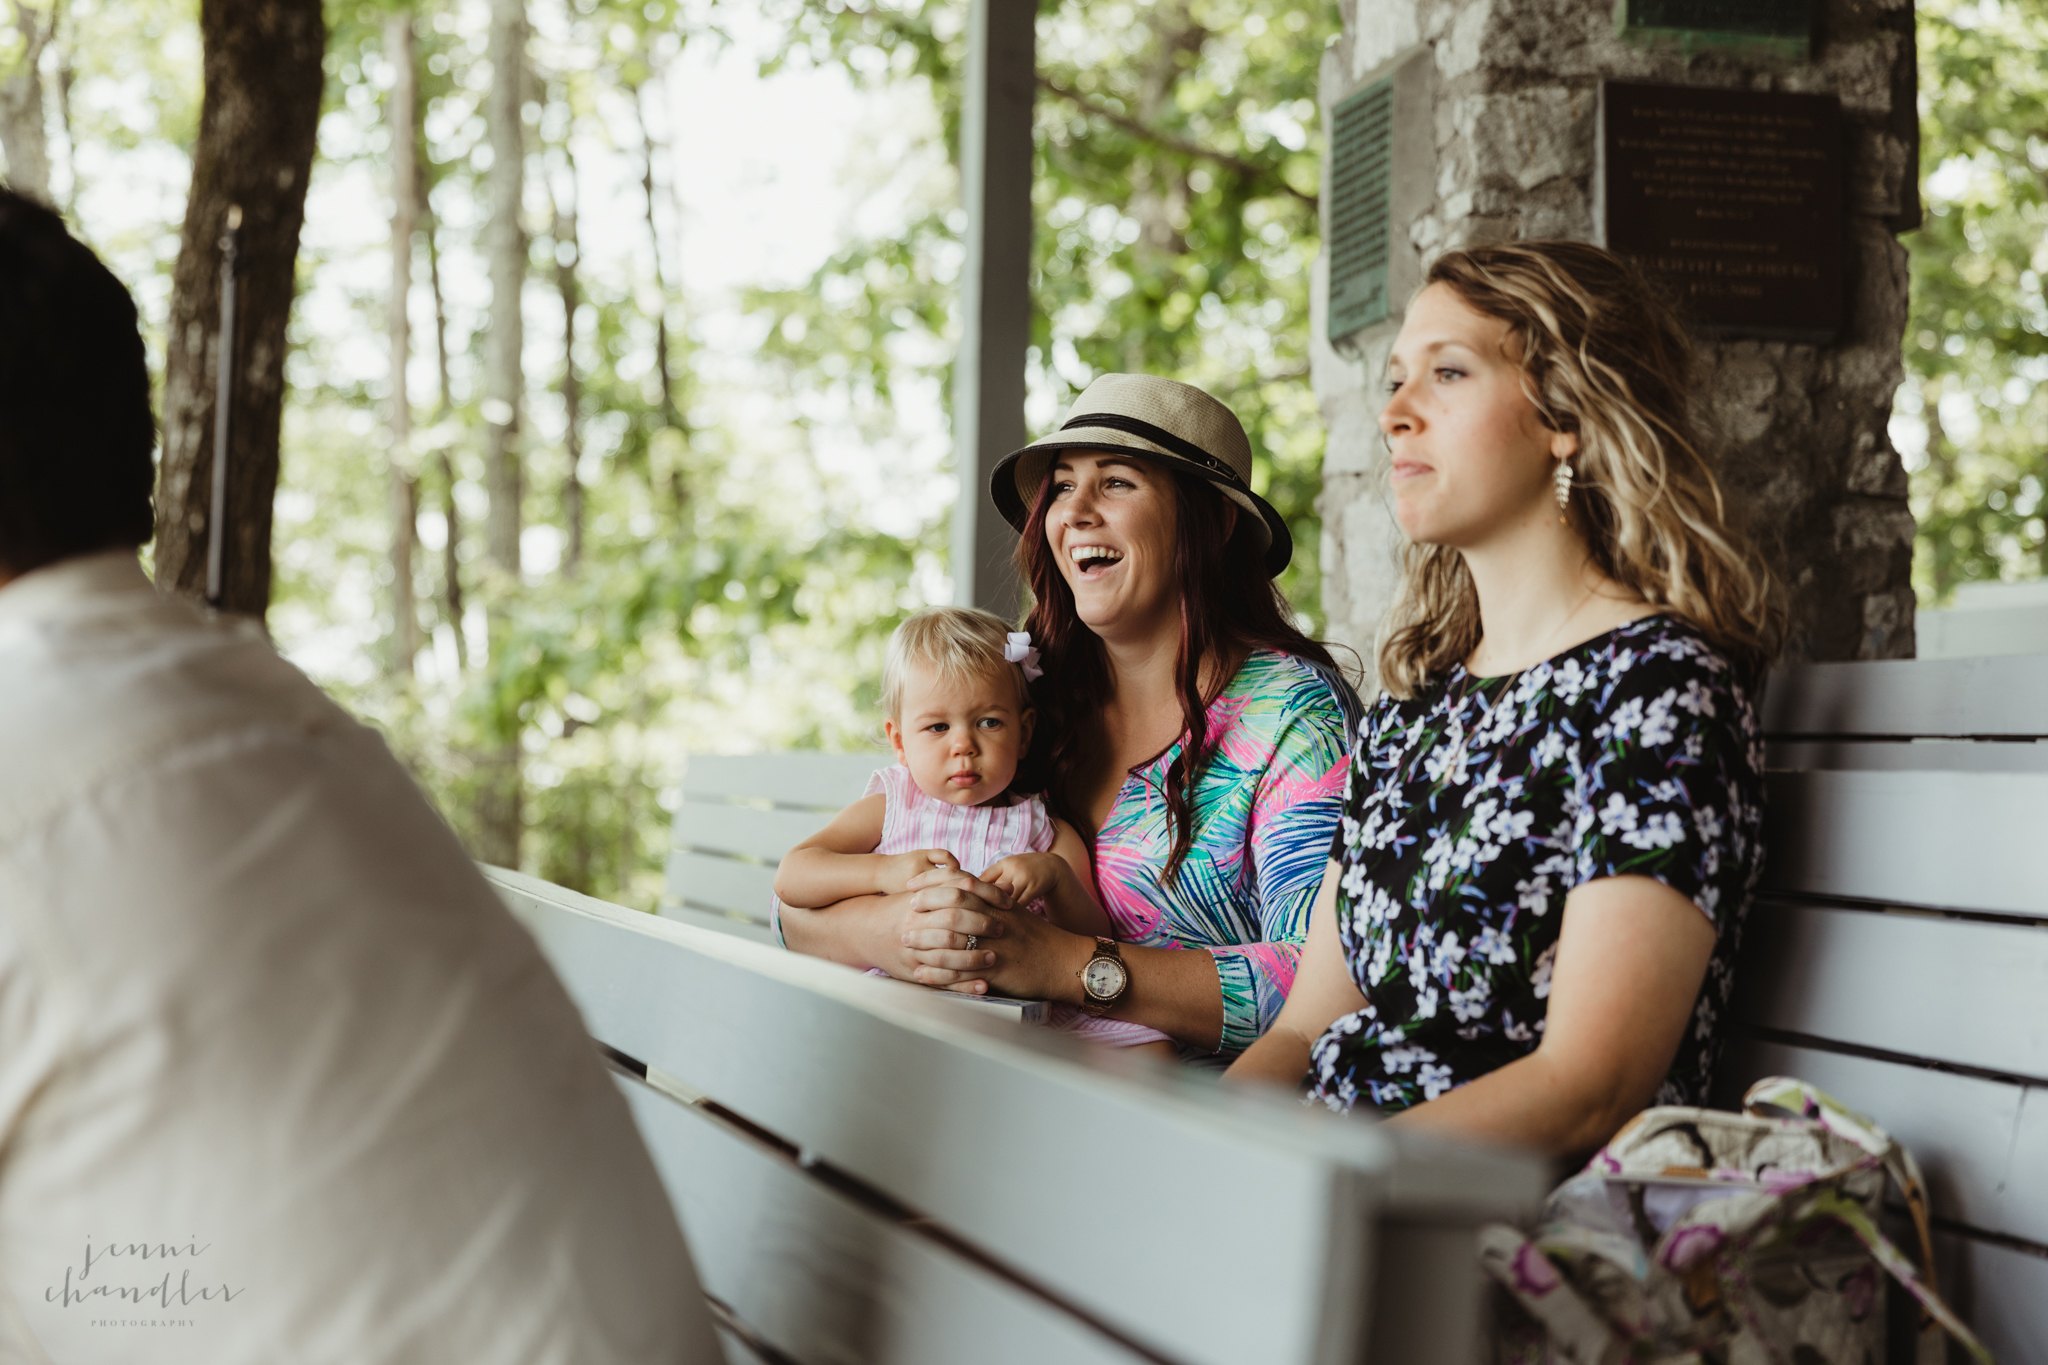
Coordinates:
(1777,28)
(1733,198)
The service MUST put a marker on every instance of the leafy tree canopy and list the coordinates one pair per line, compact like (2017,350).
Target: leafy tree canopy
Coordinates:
(1977,338)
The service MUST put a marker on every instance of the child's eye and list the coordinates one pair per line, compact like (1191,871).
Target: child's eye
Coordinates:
(1445,374)
(1393,385)
(937,727)
(990,723)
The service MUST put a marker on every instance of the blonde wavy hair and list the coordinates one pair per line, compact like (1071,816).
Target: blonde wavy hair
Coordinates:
(1605,357)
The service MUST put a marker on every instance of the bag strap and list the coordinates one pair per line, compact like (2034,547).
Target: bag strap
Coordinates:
(1780,1096)
(1832,1203)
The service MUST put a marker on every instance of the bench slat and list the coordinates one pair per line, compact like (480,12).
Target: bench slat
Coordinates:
(1920,755)
(1979,1142)
(814,781)
(2000,1292)
(752,930)
(1955,991)
(1988,696)
(821,1277)
(1962,841)
(765,834)
(914,1096)
(720,884)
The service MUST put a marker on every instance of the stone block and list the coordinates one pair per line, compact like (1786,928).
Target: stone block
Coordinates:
(1528,137)
(1362,547)
(1462,47)
(1888,625)
(1880,173)
(1380,33)
(1859,72)
(1331,373)
(1355,444)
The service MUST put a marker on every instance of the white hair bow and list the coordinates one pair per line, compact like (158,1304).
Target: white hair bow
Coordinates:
(1019,651)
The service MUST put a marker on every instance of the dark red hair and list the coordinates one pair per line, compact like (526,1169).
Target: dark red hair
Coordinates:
(1229,606)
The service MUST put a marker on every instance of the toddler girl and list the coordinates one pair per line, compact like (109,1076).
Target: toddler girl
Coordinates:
(960,720)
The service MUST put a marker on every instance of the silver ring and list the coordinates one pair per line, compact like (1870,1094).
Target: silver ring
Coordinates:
(971,942)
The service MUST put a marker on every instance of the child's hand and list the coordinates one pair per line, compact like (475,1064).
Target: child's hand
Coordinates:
(899,868)
(1028,877)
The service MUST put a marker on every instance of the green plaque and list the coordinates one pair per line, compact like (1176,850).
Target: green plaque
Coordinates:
(1361,207)
(1774,28)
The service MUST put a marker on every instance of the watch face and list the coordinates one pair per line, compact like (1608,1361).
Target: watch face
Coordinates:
(1104,978)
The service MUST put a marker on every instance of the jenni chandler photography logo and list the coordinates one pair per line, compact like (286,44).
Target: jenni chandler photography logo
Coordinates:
(115,1276)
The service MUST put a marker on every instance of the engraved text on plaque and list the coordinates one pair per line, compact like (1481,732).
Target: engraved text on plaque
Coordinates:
(1361,207)
(1733,198)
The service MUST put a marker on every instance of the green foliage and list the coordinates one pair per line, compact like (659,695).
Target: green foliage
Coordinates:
(1176,171)
(1977,339)
(724,595)
(733,591)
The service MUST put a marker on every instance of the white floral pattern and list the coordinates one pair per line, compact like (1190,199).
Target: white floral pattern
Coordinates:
(1474,808)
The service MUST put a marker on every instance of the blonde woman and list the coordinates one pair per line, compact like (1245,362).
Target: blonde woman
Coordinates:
(1551,831)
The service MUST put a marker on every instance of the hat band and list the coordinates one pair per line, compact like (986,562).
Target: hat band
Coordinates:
(1159,436)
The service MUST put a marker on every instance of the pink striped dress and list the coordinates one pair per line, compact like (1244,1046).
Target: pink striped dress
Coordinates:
(980,837)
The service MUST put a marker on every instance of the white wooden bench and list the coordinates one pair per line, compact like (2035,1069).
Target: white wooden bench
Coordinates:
(1987,618)
(867,1174)
(1899,956)
(738,816)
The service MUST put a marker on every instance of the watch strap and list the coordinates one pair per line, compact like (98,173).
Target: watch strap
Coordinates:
(1090,1004)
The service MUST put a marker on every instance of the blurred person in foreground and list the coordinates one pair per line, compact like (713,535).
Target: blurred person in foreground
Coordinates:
(280,1079)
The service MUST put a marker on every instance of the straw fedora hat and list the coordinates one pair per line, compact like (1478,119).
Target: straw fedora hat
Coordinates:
(1162,420)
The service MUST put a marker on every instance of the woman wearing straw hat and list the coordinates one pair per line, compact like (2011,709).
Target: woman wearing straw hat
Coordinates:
(1191,730)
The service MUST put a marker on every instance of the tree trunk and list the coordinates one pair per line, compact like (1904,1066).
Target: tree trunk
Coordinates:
(403,118)
(451,543)
(661,366)
(67,76)
(499,796)
(255,150)
(23,135)
(567,252)
(671,411)
(505,245)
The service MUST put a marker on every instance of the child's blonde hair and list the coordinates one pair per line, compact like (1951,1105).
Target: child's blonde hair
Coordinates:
(957,643)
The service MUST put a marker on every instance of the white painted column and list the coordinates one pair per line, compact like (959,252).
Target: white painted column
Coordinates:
(995,291)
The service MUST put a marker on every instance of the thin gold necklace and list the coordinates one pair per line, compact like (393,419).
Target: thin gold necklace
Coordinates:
(1455,711)
(1555,630)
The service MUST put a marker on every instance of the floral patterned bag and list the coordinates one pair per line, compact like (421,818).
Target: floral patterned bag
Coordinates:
(1699,1235)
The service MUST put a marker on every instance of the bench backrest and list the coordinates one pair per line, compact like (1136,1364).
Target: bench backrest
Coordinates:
(738,816)
(1898,957)
(866,1173)
(1987,618)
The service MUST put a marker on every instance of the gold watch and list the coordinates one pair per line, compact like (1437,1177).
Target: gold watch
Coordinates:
(1104,978)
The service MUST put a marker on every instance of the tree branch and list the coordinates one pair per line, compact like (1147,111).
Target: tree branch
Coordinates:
(34,33)
(1250,170)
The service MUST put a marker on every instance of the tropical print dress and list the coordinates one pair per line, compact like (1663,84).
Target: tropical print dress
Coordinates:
(1265,806)
(1474,807)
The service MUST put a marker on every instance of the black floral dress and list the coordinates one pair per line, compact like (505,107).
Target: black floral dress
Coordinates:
(1474,807)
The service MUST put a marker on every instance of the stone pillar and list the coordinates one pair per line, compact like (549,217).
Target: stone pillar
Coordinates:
(1495,130)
